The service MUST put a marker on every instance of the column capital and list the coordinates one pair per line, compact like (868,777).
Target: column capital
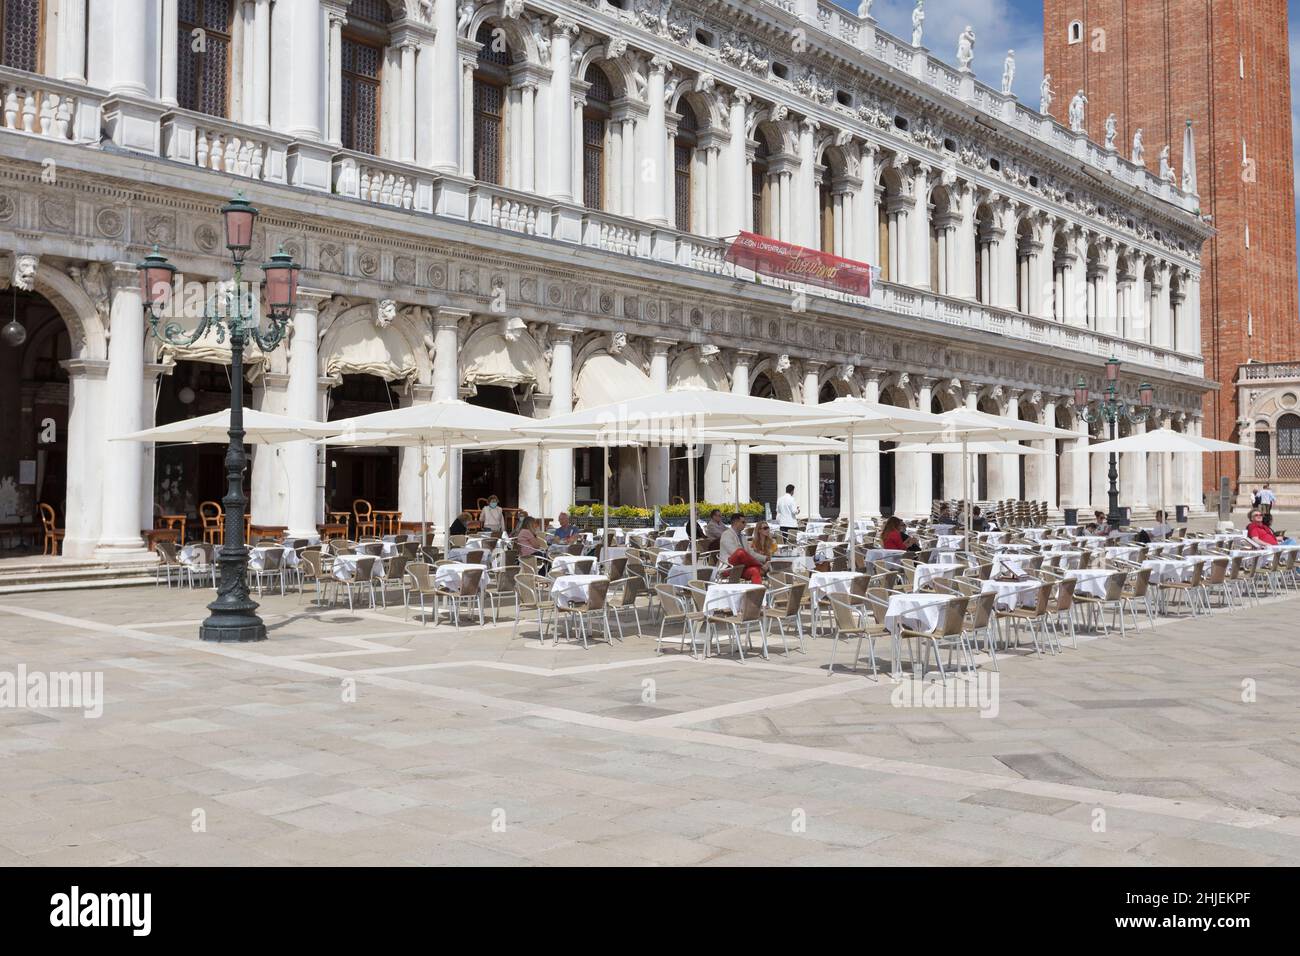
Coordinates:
(745,356)
(563,332)
(564,26)
(121,274)
(85,368)
(445,317)
(662,346)
(660,63)
(311,300)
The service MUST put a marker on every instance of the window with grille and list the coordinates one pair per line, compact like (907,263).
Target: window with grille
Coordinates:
(491,77)
(595,114)
(20,34)
(360,93)
(683,158)
(827,200)
(1288,447)
(758,187)
(1262,463)
(203,56)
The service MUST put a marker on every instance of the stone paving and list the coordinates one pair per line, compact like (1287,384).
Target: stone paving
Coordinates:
(364,738)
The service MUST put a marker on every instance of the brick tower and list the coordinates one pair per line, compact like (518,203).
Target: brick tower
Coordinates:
(1223,65)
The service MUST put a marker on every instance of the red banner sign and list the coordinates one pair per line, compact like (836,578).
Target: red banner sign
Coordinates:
(771,257)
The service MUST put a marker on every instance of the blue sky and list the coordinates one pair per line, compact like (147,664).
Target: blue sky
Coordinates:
(1018,24)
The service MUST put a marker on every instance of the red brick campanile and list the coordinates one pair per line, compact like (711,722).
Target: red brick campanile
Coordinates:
(1224,65)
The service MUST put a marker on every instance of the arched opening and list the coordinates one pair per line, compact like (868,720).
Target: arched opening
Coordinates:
(202,68)
(760,218)
(1143,329)
(21,34)
(491,80)
(368,473)
(828,468)
(985,267)
(34,406)
(1263,451)
(1176,298)
(1096,277)
(944,220)
(1026,246)
(595,122)
(892,224)
(187,475)
(684,145)
(763,481)
(487,473)
(364,39)
(889,495)
(1060,269)
(826,208)
(1288,447)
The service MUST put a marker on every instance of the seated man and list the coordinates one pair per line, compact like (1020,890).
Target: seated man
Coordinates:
(460,525)
(714,530)
(564,531)
(1258,530)
(1161,529)
(977,520)
(735,550)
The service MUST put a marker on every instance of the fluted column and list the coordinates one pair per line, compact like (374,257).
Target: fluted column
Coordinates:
(867,466)
(737,175)
(653,147)
(1075,492)
(446,105)
(919,247)
(72,41)
(446,386)
(167,56)
(923,462)
(559,475)
(563,31)
(965,251)
(334,57)
(124,393)
(657,459)
(805,202)
(302,401)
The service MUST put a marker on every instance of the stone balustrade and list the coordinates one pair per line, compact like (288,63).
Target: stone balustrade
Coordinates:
(209,142)
(42,106)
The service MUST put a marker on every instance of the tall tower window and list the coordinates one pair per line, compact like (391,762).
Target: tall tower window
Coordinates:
(595,115)
(203,56)
(20,34)
(1074,33)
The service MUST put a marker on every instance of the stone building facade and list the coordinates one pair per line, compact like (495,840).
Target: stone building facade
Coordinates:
(526,204)
(1224,67)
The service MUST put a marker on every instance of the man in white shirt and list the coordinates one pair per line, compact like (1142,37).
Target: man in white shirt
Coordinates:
(1266,498)
(787,510)
(1161,529)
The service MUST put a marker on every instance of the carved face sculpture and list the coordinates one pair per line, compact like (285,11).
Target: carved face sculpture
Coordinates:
(25,272)
(385,312)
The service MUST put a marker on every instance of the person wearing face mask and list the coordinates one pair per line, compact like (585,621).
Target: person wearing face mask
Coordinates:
(494,519)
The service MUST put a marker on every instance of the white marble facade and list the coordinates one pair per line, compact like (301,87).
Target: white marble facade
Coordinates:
(1015,255)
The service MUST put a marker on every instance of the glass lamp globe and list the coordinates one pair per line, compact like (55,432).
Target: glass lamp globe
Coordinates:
(13,333)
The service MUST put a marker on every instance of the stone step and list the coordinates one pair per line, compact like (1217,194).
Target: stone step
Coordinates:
(19,576)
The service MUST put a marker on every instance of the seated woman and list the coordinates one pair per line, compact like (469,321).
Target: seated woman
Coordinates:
(763,541)
(529,541)
(461,524)
(894,536)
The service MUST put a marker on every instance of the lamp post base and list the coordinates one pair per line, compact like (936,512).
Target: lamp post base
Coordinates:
(226,627)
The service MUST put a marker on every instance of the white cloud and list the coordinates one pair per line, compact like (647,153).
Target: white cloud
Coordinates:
(998,28)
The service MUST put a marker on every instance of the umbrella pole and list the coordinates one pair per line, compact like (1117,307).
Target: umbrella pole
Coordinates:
(691,526)
(853,526)
(965,486)
(604,531)
(424,493)
(735,471)
(446,495)
(541,477)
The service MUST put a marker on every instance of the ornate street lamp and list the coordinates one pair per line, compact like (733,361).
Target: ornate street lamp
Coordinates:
(235,312)
(1112,409)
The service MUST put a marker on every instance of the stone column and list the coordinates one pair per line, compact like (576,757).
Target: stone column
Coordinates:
(167,65)
(148,417)
(1195,425)
(744,359)
(919,247)
(1133,474)
(563,31)
(1009,470)
(446,387)
(270,484)
(653,147)
(867,473)
(804,202)
(657,458)
(306,504)
(296,69)
(810,496)
(1075,492)
(868,218)
(732,219)
(83,512)
(406,134)
(334,113)
(923,462)
(446,106)
(409,461)
(559,474)
(72,51)
(123,393)
(965,251)
(259,110)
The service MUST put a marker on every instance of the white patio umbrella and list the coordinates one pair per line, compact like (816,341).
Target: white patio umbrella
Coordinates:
(260,428)
(682,416)
(1160,441)
(446,422)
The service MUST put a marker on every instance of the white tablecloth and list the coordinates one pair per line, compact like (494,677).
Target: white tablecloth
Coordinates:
(1012,562)
(920,612)
(1123,553)
(257,556)
(1058,544)
(1034,534)
(1069,559)
(572,588)
(345,566)
(1013,594)
(1170,569)
(889,555)
(727,597)
(991,537)
(679,574)
(672,557)
(950,542)
(925,573)
(821,583)
(574,563)
(1092,581)
(447,576)
(947,557)
(192,556)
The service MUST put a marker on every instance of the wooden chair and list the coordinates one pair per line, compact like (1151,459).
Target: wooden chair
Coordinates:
(852,620)
(53,534)
(364,515)
(211,520)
